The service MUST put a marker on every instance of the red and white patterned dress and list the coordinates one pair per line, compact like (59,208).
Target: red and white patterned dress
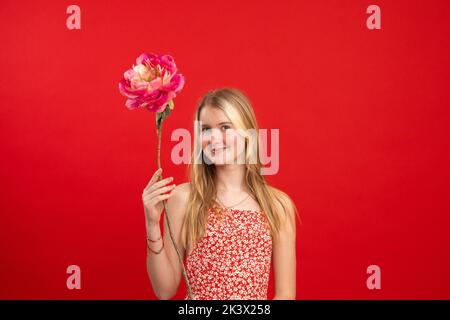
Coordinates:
(232,260)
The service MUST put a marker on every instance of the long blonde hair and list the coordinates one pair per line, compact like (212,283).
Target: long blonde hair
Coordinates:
(273,202)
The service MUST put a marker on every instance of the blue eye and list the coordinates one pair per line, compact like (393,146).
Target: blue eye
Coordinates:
(224,127)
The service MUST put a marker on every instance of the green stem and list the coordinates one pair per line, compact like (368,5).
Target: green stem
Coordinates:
(166,214)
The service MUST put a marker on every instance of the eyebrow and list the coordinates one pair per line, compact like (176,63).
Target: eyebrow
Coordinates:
(220,123)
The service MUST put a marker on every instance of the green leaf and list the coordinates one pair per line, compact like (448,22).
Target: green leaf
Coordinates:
(160,116)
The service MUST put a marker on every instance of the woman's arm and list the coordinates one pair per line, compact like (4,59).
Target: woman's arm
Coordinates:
(284,256)
(164,269)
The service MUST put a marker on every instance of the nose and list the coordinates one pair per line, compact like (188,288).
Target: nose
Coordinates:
(216,136)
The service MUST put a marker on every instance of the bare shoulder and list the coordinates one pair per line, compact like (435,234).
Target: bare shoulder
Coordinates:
(180,197)
(182,192)
(284,203)
(282,198)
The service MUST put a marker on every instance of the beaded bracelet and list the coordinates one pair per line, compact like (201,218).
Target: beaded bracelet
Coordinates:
(153,240)
(155,252)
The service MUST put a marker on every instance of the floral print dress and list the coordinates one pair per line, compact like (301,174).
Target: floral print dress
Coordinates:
(232,260)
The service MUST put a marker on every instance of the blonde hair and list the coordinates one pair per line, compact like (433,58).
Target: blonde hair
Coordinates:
(273,202)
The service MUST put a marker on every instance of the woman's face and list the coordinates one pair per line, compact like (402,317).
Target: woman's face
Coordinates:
(221,142)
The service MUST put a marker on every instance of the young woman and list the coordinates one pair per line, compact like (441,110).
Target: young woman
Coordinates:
(229,224)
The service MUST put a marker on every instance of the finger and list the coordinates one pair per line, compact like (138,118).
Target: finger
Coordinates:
(154,178)
(150,195)
(150,200)
(162,190)
(163,197)
(160,184)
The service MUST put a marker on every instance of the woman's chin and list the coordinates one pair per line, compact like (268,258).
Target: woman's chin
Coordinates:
(218,161)
(221,159)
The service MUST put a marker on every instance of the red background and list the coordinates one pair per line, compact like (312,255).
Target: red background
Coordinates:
(363,118)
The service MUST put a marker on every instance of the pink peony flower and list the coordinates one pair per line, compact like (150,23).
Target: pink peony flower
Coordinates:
(152,83)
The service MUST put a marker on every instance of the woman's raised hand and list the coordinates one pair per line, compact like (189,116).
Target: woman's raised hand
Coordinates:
(153,196)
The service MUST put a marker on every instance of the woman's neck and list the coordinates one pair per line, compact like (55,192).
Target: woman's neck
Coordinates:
(230,179)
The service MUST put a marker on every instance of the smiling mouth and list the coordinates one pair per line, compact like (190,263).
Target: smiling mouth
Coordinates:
(217,149)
